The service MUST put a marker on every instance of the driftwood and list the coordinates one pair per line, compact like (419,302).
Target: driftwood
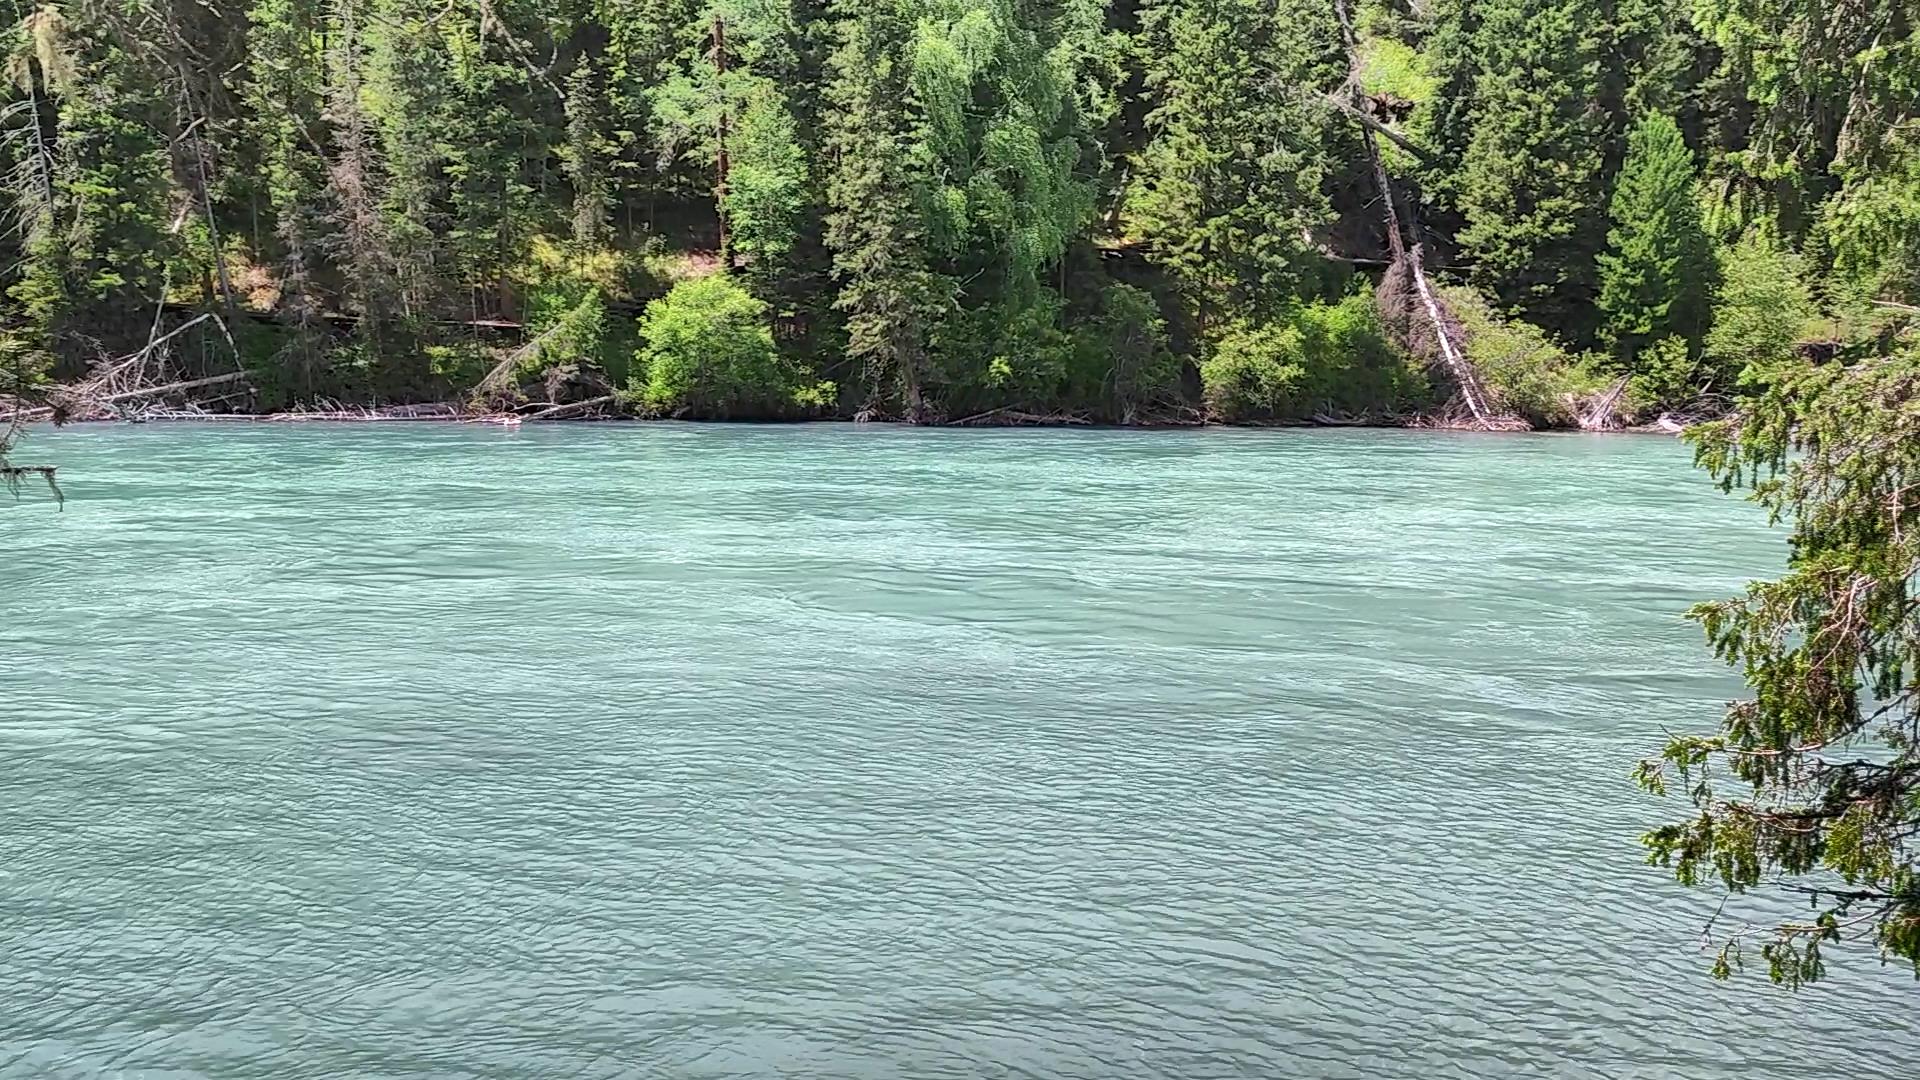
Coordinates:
(1599,416)
(977,417)
(1010,416)
(558,411)
(128,395)
(1321,419)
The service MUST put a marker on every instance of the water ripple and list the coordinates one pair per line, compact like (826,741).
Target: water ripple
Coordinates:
(859,752)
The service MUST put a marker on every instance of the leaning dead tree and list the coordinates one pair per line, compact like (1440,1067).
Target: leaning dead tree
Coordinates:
(126,382)
(1408,302)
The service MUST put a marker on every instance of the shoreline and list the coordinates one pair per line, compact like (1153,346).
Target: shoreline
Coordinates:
(500,420)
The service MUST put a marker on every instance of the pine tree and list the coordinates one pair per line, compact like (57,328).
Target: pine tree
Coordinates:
(892,298)
(407,73)
(1532,180)
(585,156)
(1232,179)
(1656,276)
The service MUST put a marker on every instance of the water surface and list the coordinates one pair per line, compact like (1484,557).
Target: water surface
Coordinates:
(439,751)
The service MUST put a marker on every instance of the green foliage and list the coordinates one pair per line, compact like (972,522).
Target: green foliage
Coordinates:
(1122,359)
(1323,358)
(1393,69)
(1532,177)
(1525,369)
(1656,275)
(1759,310)
(1813,782)
(706,350)
(950,204)
(1667,374)
(767,186)
(1830,87)
(1872,225)
(1232,178)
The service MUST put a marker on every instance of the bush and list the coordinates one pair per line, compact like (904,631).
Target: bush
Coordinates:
(1527,372)
(565,283)
(1668,376)
(1254,373)
(1759,310)
(1322,358)
(707,351)
(1124,346)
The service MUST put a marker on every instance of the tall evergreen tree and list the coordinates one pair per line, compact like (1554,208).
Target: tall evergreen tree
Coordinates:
(890,295)
(1532,180)
(1231,182)
(1656,275)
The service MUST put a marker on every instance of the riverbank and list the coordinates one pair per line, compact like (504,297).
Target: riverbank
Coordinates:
(83,403)
(448,414)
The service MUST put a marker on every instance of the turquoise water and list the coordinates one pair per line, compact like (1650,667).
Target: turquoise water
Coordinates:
(832,751)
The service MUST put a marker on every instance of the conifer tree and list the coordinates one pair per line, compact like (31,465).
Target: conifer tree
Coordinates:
(891,297)
(1232,179)
(1532,180)
(1656,276)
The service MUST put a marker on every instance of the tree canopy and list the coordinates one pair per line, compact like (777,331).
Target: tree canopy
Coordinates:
(949,206)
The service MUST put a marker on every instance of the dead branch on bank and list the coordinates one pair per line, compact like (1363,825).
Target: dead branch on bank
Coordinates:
(557,412)
(128,378)
(1599,416)
(500,378)
(1010,416)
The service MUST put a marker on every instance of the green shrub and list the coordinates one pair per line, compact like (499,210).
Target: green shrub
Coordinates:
(1759,311)
(1525,370)
(1667,375)
(1322,358)
(1121,359)
(1254,372)
(707,350)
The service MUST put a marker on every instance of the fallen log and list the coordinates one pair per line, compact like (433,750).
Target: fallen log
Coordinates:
(45,411)
(1600,416)
(1410,257)
(558,411)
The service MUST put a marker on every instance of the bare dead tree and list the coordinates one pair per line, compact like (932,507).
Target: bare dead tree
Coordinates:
(1409,304)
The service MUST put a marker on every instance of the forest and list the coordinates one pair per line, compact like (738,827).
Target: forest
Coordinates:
(1526,213)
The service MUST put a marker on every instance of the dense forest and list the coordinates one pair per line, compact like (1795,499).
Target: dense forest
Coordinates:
(1115,211)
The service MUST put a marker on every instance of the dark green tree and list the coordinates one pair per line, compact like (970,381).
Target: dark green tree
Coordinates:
(1811,786)
(891,297)
(1532,182)
(1231,182)
(1656,276)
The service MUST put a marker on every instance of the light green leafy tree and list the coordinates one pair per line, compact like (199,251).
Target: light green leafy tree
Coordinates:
(1760,310)
(707,350)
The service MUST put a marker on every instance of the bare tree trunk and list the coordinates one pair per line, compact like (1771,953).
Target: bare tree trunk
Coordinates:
(1409,258)
(721,163)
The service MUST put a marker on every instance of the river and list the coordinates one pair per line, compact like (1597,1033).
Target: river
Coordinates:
(835,751)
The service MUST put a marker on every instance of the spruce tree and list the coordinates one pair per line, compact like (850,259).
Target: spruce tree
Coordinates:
(1532,184)
(891,297)
(1656,275)
(1231,180)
